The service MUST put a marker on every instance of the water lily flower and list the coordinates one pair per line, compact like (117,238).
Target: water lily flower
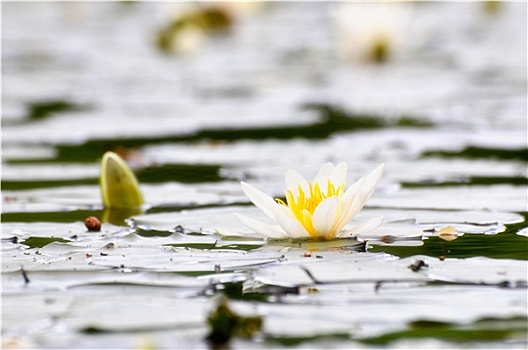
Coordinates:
(319,210)
(372,31)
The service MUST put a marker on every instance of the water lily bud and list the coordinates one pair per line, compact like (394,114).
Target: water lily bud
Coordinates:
(119,186)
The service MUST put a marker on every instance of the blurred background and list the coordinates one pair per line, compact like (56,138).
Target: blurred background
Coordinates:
(257,88)
(122,69)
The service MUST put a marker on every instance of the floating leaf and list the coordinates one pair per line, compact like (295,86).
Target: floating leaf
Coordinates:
(118,313)
(39,242)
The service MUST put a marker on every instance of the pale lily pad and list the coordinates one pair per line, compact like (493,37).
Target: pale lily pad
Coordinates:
(488,198)
(40,316)
(49,172)
(84,279)
(135,313)
(366,314)
(182,259)
(476,270)
(70,231)
(322,267)
(32,261)
(53,199)
(523,232)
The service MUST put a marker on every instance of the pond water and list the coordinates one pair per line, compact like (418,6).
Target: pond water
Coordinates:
(435,91)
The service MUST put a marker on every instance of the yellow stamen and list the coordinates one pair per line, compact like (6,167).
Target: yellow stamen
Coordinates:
(303,206)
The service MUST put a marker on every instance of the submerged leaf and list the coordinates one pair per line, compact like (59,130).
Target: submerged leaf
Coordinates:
(225,324)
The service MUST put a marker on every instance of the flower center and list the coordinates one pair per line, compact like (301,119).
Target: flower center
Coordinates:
(303,206)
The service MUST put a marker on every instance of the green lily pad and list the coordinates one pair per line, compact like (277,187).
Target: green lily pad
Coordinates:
(39,242)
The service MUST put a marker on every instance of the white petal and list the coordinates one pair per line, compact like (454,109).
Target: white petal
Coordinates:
(349,200)
(324,216)
(340,172)
(292,226)
(294,180)
(362,228)
(367,187)
(323,175)
(372,179)
(261,228)
(261,200)
(350,194)
(237,234)
(336,176)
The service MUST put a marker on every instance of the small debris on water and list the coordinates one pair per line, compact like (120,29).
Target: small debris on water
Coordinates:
(388,239)
(25,276)
(448,233)
(92,224)
(13,239)
(312,290)
(417,265)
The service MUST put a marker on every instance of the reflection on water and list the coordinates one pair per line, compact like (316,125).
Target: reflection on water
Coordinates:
(118,216)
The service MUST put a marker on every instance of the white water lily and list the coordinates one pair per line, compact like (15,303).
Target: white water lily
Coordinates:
(320,209)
